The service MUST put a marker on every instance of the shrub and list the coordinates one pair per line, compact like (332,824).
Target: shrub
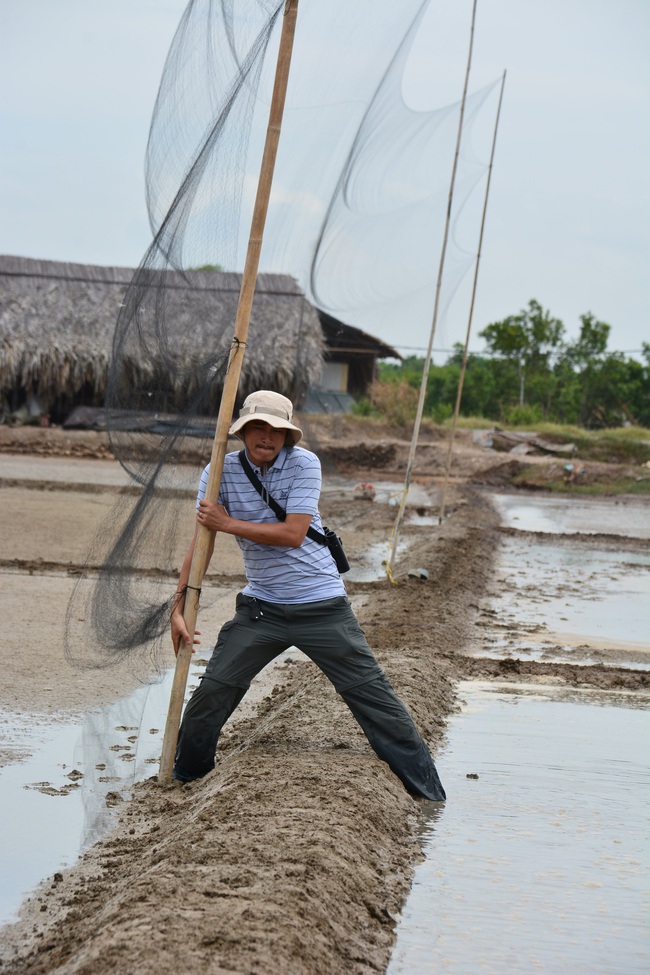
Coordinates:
(397,402)
(522,416)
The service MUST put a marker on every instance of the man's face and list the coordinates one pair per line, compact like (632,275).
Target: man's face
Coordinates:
(263,442)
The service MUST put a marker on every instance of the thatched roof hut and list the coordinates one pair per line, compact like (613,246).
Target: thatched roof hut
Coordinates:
(358,350)
(57,323)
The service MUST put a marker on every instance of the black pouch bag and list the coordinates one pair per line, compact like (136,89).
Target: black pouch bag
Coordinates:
(329,538)
(335,546)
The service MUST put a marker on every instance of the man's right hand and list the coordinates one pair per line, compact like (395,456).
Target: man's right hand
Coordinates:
(180,633)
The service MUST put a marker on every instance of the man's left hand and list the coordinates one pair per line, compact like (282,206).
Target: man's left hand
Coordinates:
(213,516)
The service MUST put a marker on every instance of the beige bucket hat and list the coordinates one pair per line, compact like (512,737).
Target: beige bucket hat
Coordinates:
(274,409)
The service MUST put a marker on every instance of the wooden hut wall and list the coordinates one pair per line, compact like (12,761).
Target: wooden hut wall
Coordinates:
(361,374)
(346,343)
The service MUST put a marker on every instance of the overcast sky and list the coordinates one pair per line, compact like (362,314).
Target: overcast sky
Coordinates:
(569,213)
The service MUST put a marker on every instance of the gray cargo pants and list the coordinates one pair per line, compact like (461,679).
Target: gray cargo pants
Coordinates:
(329,633)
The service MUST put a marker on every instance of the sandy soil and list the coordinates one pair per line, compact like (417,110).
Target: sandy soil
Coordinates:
(296,854)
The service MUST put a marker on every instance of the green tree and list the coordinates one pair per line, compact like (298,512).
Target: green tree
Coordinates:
(591,344)
(408,370)
(486,387)
(528,340)
(637,389)
(587,376)
(577,382)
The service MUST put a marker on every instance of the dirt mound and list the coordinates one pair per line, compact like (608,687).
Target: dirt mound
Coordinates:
(501,475)
(360,456)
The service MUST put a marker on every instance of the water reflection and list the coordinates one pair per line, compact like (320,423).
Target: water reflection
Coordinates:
(61,799)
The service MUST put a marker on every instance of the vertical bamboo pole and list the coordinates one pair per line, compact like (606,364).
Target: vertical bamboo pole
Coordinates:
(427,361)
(461,379)
(231,382)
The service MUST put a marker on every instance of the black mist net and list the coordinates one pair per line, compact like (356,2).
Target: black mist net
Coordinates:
(354,228)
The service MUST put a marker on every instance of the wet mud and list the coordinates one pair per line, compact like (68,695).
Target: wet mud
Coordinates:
(297,853)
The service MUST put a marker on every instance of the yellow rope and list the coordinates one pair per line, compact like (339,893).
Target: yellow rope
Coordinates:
(389,570)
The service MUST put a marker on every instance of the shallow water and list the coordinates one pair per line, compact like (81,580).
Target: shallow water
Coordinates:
(539,864)
(583,515)
(562,602)
(371,566)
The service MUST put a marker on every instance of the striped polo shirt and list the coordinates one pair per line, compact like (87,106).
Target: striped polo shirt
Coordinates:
(277,573)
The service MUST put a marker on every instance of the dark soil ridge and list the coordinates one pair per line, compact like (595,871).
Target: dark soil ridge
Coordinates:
(600,676)
(84,487)
(586,540)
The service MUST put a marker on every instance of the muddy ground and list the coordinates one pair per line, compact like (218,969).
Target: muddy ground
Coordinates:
(295,856)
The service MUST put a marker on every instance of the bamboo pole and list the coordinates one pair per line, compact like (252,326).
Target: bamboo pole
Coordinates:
(463,368)
(427,361)
(231,382)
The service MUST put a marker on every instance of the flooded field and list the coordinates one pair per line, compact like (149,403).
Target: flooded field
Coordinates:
(539,863)
(561,602)
(559,595)
(584,515)
(74,777)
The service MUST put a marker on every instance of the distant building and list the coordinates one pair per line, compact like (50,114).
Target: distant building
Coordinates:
(349,366)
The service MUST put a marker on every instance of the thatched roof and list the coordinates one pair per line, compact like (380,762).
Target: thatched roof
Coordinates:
(57,322)
(352,341)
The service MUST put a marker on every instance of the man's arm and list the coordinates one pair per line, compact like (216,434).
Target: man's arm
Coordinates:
(289,533)
(179,629)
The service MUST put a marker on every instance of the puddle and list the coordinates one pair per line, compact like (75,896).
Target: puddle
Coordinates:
(372,565)
(580,606)
(422,520)
(559,516)
(540,863)
(390,493)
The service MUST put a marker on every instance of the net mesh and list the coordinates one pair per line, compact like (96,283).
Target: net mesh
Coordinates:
(354,227)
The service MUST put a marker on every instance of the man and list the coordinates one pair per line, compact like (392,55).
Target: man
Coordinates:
(294,597)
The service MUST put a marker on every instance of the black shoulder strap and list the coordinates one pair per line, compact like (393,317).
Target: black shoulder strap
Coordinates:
(279,512)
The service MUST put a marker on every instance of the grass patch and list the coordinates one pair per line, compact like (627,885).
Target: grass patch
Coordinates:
(470,423)
(613,450)
(533,476)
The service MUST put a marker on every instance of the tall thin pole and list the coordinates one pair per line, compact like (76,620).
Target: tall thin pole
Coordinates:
(427,361)
(231,382)
(463,367)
